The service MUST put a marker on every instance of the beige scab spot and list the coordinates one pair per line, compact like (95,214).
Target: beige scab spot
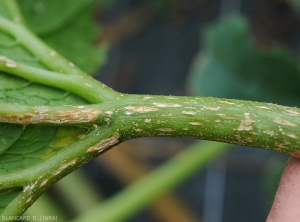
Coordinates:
(107,120)
(217,120)
(269,132)
(104,144)
(185,128)
(285,122)
(190,107)
(8,62)
(212,108)
(291,135)
(147,97)
(71,64)
(109,112)
(195,123)
(138,130)
(262,107)
(44,182)
(147,120)
(87,84)
(40,109)
(11,64)
(279,146)
(28,200)
(226,102)
(189,113)
(141,109)
(292,112)
(65,166)
(160,122)
(224,116)
(166,129)
(170,97)
(165,105)
(246,124)
(26,188)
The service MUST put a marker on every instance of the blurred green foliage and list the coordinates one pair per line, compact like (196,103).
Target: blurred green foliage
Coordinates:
(233,66)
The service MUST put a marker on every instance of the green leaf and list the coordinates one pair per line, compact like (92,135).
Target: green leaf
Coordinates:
(71,43)
(57,14)
(9,134)
(60,24)
(22,147)
(6,196)
(232,66)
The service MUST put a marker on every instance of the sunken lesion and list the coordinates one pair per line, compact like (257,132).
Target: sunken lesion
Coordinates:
(41,115)
(285,122)
(167,105)
(246,123)
(141,109)
(64,166)
(105,144)
(212,108)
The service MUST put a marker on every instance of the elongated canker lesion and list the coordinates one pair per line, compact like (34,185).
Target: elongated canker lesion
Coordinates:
(43,115)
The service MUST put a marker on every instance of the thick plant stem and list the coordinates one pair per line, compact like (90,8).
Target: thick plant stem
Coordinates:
(248,123)
(255,124)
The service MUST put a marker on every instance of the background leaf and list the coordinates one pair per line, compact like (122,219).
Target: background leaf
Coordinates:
(61,24)
(232,66)
(56,13)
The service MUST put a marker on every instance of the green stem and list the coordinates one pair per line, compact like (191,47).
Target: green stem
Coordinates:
(248,123)
(150,187)
(82,85)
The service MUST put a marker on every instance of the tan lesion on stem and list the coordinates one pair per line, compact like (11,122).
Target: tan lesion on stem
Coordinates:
(105,144)
(246,124)
(285,122)
(141,109)
(42,116)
